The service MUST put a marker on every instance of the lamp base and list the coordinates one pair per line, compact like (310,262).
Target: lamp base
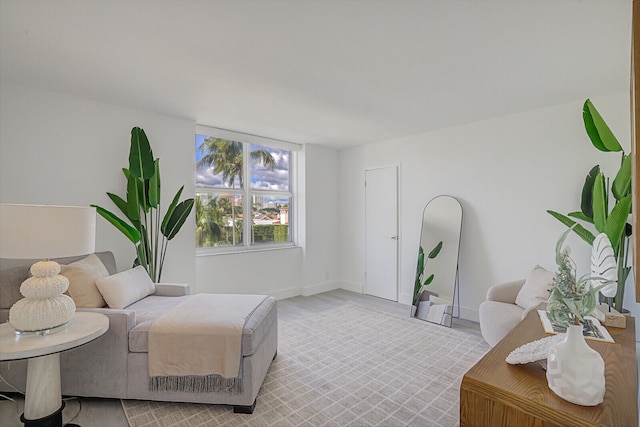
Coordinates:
(41,332)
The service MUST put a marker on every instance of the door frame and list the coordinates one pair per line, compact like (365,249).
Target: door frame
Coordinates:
(398,167)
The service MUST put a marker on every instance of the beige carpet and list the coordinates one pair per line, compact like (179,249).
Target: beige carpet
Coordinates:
(346,366)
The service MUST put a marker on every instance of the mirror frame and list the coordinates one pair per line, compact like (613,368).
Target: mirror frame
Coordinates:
(417,311)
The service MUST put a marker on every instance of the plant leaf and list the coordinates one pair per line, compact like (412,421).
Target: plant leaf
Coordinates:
(581,216)
(170,209)
(141,164)
(119,202)
(419,270)
(604,267)
(154,186)
(601,136)
(177,219)
(429,280)
(142,256)
(584,234)
(586,204)
(600,208)
(622,182)
(559,244)
(130,232)
(617,221)
(435,251)
(133,204)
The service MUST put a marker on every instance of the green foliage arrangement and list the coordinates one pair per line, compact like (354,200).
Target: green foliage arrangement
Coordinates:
(420,281)
(570,299)
(605,208)
(144,229)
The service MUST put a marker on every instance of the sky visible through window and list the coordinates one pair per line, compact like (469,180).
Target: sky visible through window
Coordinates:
(262,178)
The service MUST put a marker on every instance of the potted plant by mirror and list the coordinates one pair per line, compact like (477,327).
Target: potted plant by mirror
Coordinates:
(420,294)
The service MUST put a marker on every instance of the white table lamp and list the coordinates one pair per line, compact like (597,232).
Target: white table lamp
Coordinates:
(43,232)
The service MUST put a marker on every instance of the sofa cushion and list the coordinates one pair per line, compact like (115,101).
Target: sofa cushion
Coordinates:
(123,289)
(82,277)
(150,308)
(535,289)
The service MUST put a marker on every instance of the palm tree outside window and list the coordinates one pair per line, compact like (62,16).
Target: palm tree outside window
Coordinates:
(230,213)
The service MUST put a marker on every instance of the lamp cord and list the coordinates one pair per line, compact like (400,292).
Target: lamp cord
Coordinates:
(2,379)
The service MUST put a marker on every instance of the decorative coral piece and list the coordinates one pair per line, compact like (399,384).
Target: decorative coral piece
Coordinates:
(44,306)
(604,267)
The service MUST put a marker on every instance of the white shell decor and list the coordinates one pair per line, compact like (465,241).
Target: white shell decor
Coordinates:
(39,314)
(45,269)
(44,306)
(44,287)
(603,264)
(533,351)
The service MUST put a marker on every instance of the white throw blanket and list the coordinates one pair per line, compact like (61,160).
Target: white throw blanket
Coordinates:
(197,345)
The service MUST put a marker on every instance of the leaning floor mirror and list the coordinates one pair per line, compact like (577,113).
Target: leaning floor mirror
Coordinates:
(435,284)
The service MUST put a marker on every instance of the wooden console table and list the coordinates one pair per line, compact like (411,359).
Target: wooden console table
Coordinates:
(495,393)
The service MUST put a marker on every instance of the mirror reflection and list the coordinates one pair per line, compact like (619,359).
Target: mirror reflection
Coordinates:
(437,267)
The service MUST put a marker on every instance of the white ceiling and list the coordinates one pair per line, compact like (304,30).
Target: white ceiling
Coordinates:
(335,73)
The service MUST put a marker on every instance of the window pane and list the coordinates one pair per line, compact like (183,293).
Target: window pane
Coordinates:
(270,219)
(218,220)
(269,168)
(218,162)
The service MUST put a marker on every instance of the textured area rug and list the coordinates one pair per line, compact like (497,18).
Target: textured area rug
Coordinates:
(348,365)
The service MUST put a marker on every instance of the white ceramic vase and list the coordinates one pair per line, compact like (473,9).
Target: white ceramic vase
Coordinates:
(575,371)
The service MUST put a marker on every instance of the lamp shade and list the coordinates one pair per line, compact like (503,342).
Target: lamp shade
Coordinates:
(46,231)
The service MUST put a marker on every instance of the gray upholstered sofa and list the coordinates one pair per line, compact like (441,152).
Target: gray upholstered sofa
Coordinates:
(115,365)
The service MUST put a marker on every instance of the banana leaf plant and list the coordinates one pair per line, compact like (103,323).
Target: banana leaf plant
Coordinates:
(143,226)
(603,207)
(420,281)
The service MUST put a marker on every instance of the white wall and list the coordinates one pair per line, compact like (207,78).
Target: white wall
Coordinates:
(310,268)
(322,215)
(59,149)
(506,173)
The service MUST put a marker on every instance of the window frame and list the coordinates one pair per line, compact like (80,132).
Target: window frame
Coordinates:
(247,140)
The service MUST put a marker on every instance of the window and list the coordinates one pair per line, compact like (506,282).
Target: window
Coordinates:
(240,207)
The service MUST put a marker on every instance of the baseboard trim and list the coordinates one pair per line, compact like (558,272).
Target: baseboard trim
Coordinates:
(286,293)
(469,314)
(405,299)
(319,288)
(351,286)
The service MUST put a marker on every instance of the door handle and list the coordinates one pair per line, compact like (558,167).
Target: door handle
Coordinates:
(394,237)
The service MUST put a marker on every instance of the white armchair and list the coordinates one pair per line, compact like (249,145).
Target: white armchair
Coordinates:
(508,303)
(499,313)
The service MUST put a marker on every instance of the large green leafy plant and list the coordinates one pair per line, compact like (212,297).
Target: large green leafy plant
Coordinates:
(420,281)
(145,229)
(603,206)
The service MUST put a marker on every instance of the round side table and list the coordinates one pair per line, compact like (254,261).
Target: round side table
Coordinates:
(43,397)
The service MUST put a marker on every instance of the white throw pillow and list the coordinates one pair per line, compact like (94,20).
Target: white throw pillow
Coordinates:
(535,289)
(125,288)
(82,277)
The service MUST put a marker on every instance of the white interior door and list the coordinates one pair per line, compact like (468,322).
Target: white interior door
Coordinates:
(381,232)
